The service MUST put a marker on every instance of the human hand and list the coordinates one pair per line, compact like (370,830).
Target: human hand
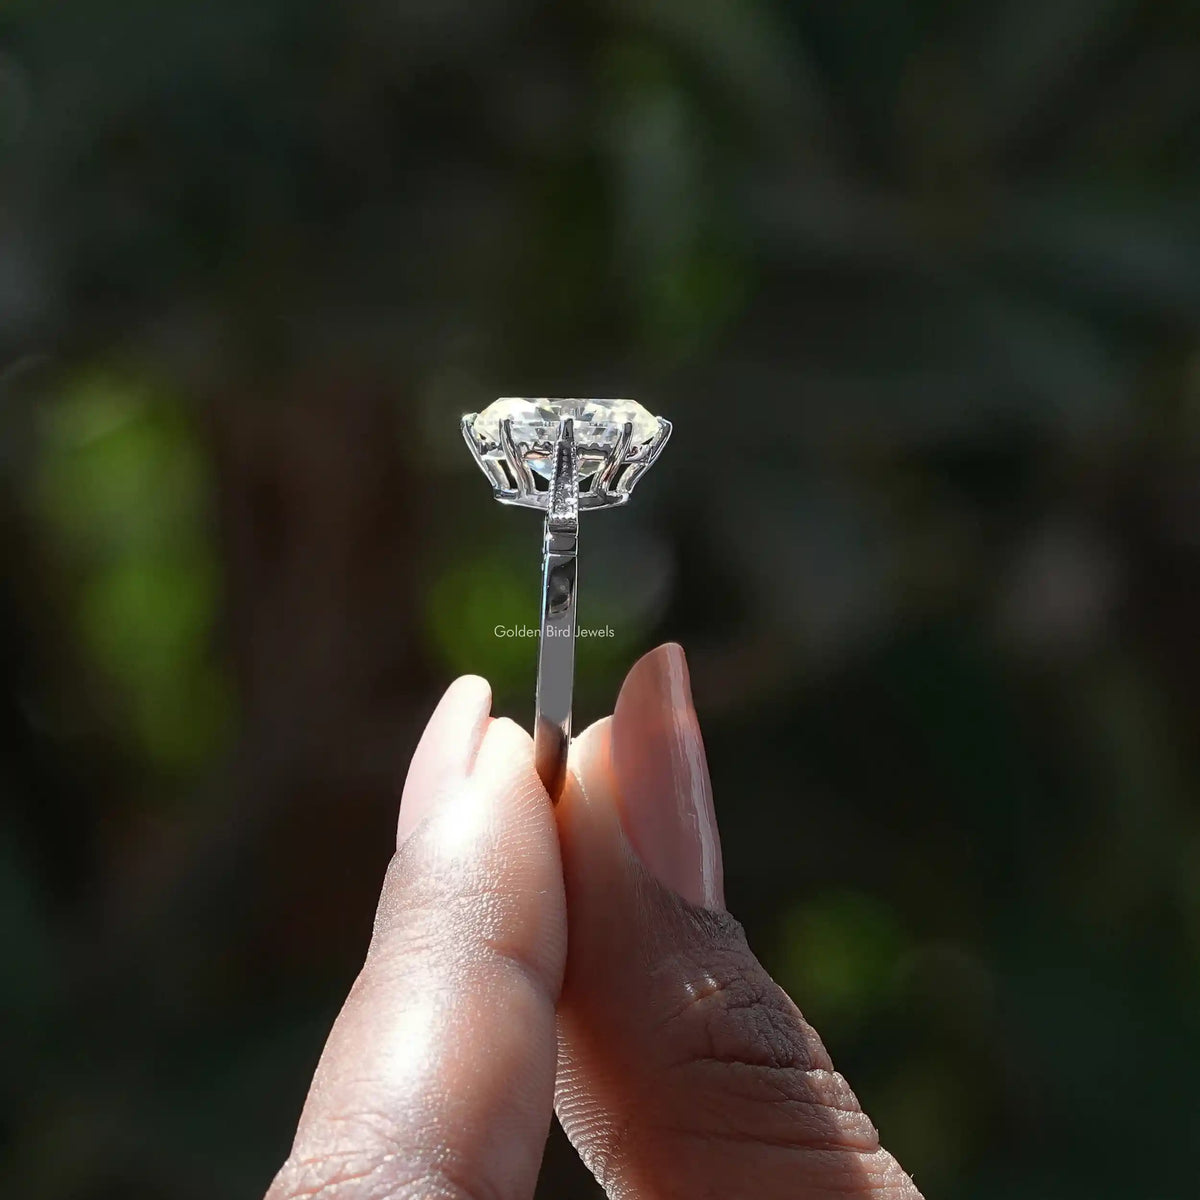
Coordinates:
(679,1069)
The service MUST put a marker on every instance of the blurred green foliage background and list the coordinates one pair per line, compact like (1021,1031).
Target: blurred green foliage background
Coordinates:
(919,284)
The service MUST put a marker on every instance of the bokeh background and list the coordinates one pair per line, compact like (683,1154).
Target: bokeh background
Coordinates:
(919,284)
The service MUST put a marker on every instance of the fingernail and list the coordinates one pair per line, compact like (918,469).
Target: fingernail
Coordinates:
(446,752)
(665,796)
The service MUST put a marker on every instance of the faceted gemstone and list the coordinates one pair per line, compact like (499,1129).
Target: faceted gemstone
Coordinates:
(597,426)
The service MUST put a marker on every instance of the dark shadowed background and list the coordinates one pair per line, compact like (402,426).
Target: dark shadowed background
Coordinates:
(919,285)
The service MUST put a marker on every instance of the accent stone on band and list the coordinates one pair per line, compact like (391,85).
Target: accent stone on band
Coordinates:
(563,511)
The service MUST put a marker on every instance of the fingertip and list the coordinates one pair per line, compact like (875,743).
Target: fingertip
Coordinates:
(590,769)
(591,750)
(642,683)
(665,795)
(474,686)
(503,789)
(469,698)
(447,750)
(504,748)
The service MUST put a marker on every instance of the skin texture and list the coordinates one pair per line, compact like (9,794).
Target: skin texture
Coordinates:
(677,1066)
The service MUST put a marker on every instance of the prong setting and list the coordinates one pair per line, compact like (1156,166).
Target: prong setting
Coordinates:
(636,468)
(612,455)
(521,475)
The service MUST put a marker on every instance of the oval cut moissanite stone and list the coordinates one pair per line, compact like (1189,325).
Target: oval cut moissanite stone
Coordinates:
(535,422)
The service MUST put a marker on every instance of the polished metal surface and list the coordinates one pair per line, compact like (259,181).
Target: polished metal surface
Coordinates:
(556,653)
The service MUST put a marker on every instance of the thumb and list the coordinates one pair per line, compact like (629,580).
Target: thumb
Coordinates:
(684,1070)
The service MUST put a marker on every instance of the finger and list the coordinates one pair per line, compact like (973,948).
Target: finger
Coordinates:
(438,1076)
(684,1070)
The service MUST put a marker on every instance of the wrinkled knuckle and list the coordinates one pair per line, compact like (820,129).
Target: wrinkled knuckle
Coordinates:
(708,932)
(728,1030)
(726,1008)
(445,906)
(477,933)
(720,929)
(525,964)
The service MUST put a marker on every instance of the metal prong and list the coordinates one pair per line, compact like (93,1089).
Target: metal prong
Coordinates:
(490,466)
(602,484)
(468,431)
(512,456)
(635,470)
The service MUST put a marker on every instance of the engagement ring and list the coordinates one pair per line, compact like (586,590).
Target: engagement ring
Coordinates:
(562,457)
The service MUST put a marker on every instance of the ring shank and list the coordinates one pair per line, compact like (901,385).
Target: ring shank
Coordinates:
(556,650)
(556,661)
